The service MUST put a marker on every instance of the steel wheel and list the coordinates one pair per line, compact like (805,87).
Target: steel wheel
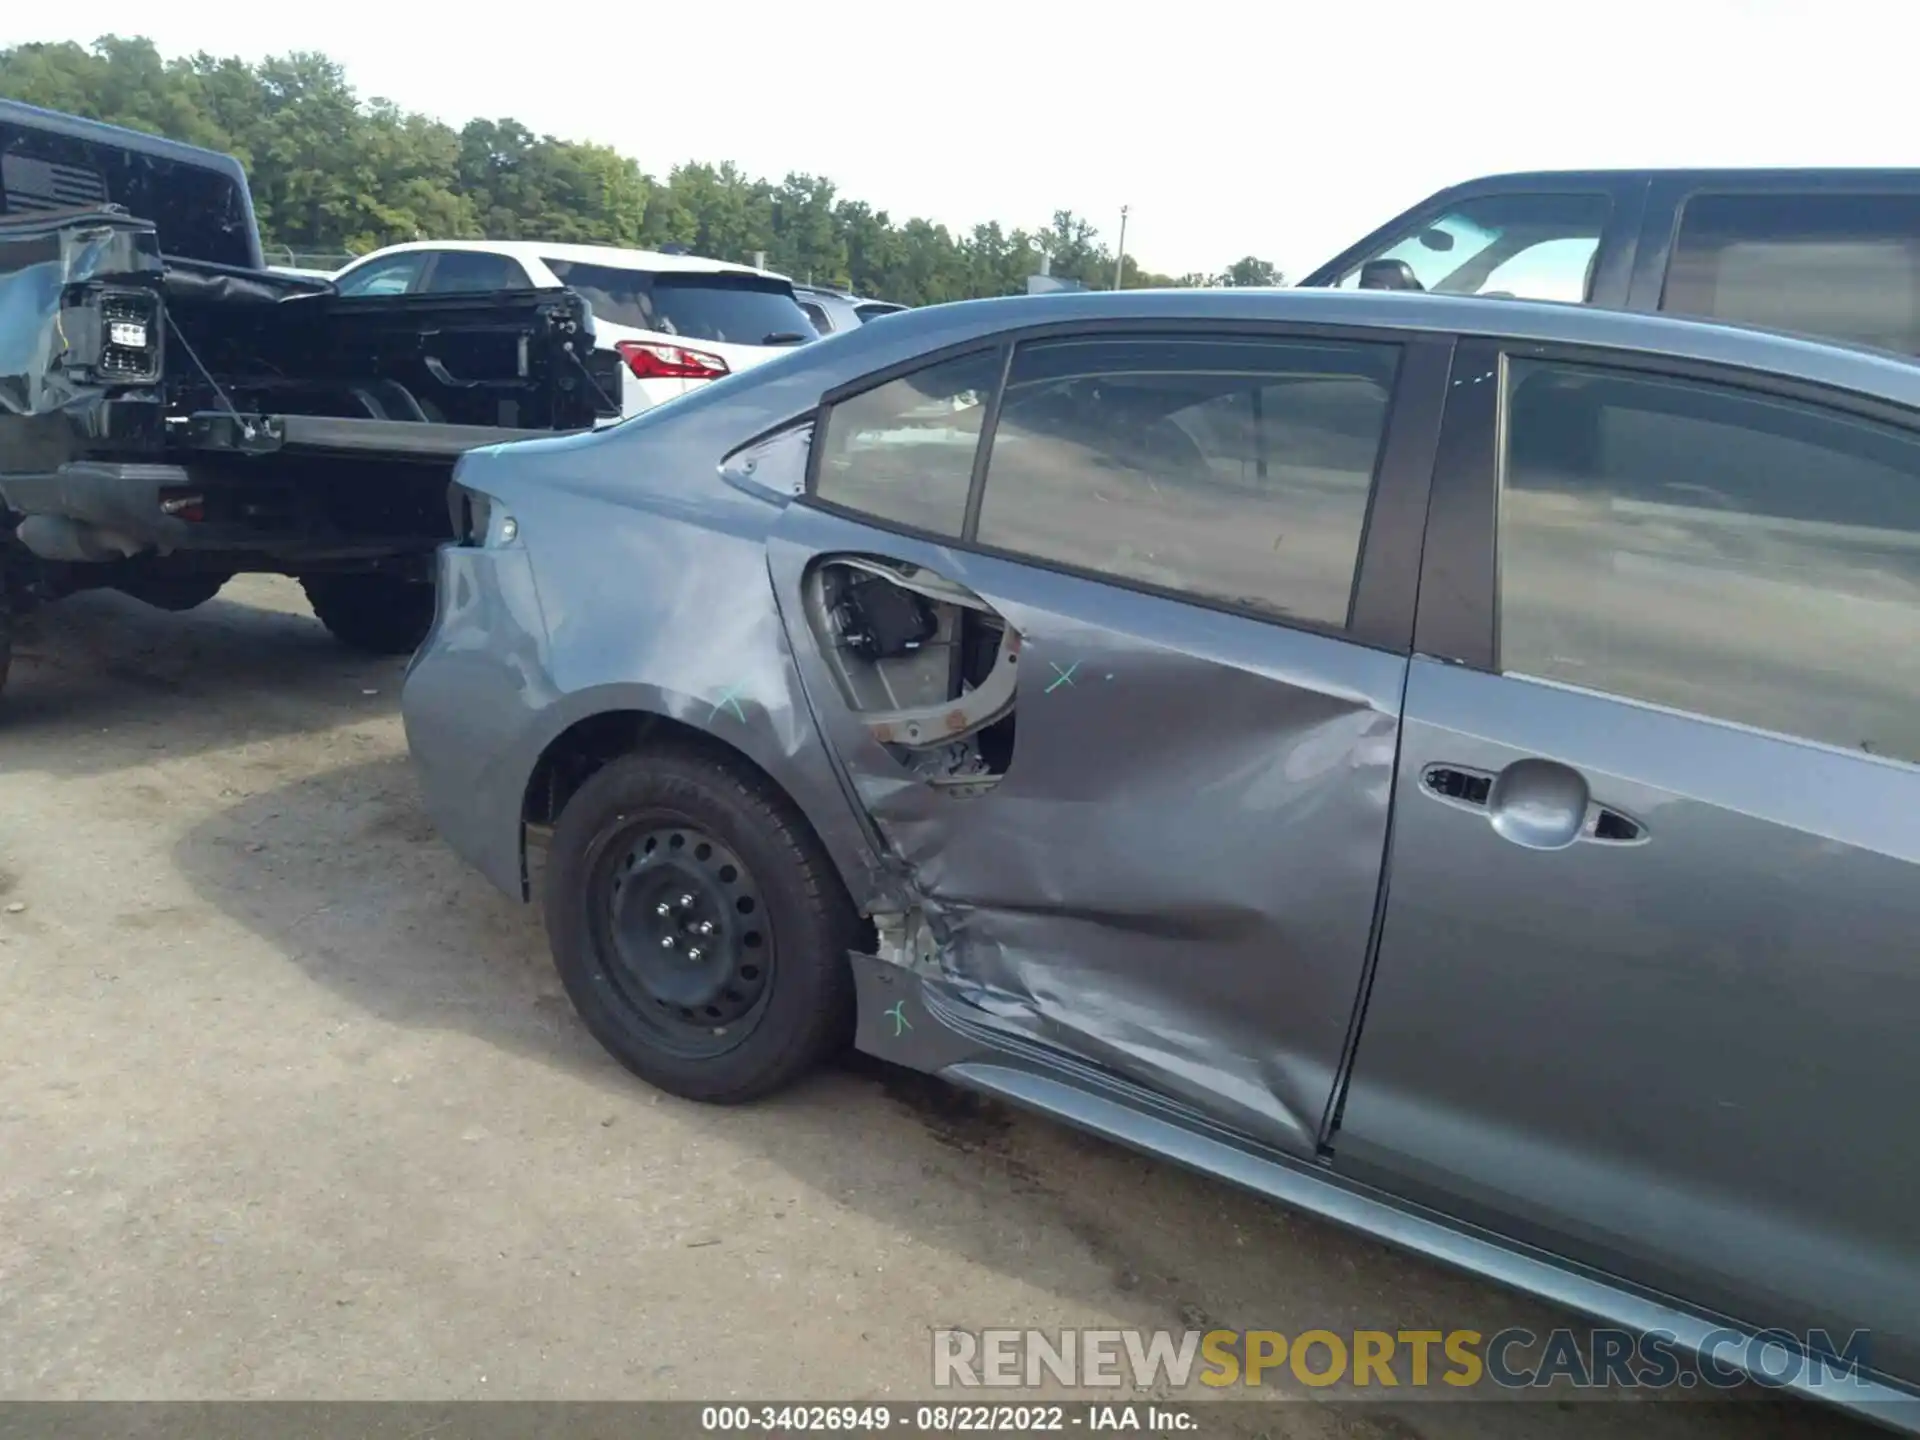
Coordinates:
(684,936)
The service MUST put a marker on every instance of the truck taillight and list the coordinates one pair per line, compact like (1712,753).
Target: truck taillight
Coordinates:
(189,505)
(128,347)
(650,361)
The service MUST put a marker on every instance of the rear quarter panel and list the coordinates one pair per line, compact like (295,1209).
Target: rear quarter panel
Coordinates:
(654,598)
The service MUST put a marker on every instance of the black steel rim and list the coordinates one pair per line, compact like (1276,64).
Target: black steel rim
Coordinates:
(683,935)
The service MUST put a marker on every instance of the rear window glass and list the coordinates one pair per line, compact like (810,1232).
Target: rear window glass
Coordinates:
(1845,266)
(735,309)
(198,213)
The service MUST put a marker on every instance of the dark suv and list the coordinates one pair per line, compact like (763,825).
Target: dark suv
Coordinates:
(1823,252)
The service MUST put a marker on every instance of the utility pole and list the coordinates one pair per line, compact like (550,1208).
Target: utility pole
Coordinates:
(1120,260)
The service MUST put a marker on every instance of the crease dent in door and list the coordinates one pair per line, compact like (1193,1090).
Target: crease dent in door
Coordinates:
(1098,831)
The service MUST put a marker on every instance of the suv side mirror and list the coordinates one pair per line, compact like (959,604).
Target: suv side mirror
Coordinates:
(1388,275)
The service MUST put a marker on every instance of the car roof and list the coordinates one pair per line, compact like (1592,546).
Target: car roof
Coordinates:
(1811,359)
(616,256)
(1770,175)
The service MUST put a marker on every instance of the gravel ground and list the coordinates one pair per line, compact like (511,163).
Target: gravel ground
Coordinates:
(292,1106)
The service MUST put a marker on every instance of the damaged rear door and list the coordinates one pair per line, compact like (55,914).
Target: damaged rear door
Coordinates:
(1108,630)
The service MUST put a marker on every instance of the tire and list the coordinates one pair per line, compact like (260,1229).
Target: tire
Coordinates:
(177,593)
(804,1010)
(380,614)
(6,636)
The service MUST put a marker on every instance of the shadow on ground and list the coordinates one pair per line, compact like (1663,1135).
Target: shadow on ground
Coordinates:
(250,665)
(342,873)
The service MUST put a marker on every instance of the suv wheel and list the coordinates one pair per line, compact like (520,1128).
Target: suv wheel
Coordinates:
(699,927)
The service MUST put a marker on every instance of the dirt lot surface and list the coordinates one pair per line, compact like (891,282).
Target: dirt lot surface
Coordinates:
(292,1106)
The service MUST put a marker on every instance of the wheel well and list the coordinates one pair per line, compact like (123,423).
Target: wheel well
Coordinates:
(586,745)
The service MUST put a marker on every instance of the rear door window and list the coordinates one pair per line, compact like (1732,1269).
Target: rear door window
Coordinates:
(1844,266)
(1234,470)
(737,309)
(456,271)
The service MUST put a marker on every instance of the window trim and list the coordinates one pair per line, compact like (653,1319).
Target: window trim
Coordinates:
(1459,614)
(1381,600)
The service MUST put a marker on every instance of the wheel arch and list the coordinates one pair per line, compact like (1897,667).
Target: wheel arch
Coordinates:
(627,725)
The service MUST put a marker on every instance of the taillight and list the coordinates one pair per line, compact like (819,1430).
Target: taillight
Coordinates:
(669,362)
(183,504)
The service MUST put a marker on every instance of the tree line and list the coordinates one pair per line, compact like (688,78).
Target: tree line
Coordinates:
(334,174)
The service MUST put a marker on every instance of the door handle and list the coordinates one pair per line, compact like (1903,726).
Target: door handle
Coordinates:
(1537,804)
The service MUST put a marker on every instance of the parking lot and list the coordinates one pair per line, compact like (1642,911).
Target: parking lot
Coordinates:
(293,1106)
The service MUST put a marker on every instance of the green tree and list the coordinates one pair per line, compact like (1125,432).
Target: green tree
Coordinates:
(1250,270)
(332,172)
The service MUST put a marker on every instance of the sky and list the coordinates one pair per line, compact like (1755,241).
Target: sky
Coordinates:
(1280,130)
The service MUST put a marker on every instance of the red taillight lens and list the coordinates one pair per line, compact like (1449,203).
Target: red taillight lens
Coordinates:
(669,362)
(182,504)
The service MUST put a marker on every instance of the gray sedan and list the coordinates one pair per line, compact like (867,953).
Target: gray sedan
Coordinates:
(1453,766)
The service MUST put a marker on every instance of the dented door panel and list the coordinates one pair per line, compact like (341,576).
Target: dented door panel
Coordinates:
(1162,858)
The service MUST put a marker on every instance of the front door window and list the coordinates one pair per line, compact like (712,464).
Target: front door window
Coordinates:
(1524,247)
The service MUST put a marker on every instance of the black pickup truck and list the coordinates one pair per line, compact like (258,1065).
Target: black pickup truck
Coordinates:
(173,413)
(1833,253)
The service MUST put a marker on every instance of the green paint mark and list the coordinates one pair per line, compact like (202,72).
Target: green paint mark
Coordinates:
(727,702)
(1066,677)
(898,1014)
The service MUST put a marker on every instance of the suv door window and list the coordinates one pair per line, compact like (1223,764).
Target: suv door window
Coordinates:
(1526,246)
(392,276)
(460,271)
(1716,551)
(1233,470)
(1846,266)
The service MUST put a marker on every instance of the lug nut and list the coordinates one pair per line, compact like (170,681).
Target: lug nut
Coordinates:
(663,908)
(694,953)
(666,942)
(705,927)
(686,902)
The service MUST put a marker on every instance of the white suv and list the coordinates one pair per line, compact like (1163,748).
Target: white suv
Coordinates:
(677,321)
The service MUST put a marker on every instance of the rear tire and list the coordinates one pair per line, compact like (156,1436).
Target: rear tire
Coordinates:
(626,872)
(380,614)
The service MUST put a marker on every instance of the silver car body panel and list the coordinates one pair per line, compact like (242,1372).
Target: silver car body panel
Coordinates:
(1221,811)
